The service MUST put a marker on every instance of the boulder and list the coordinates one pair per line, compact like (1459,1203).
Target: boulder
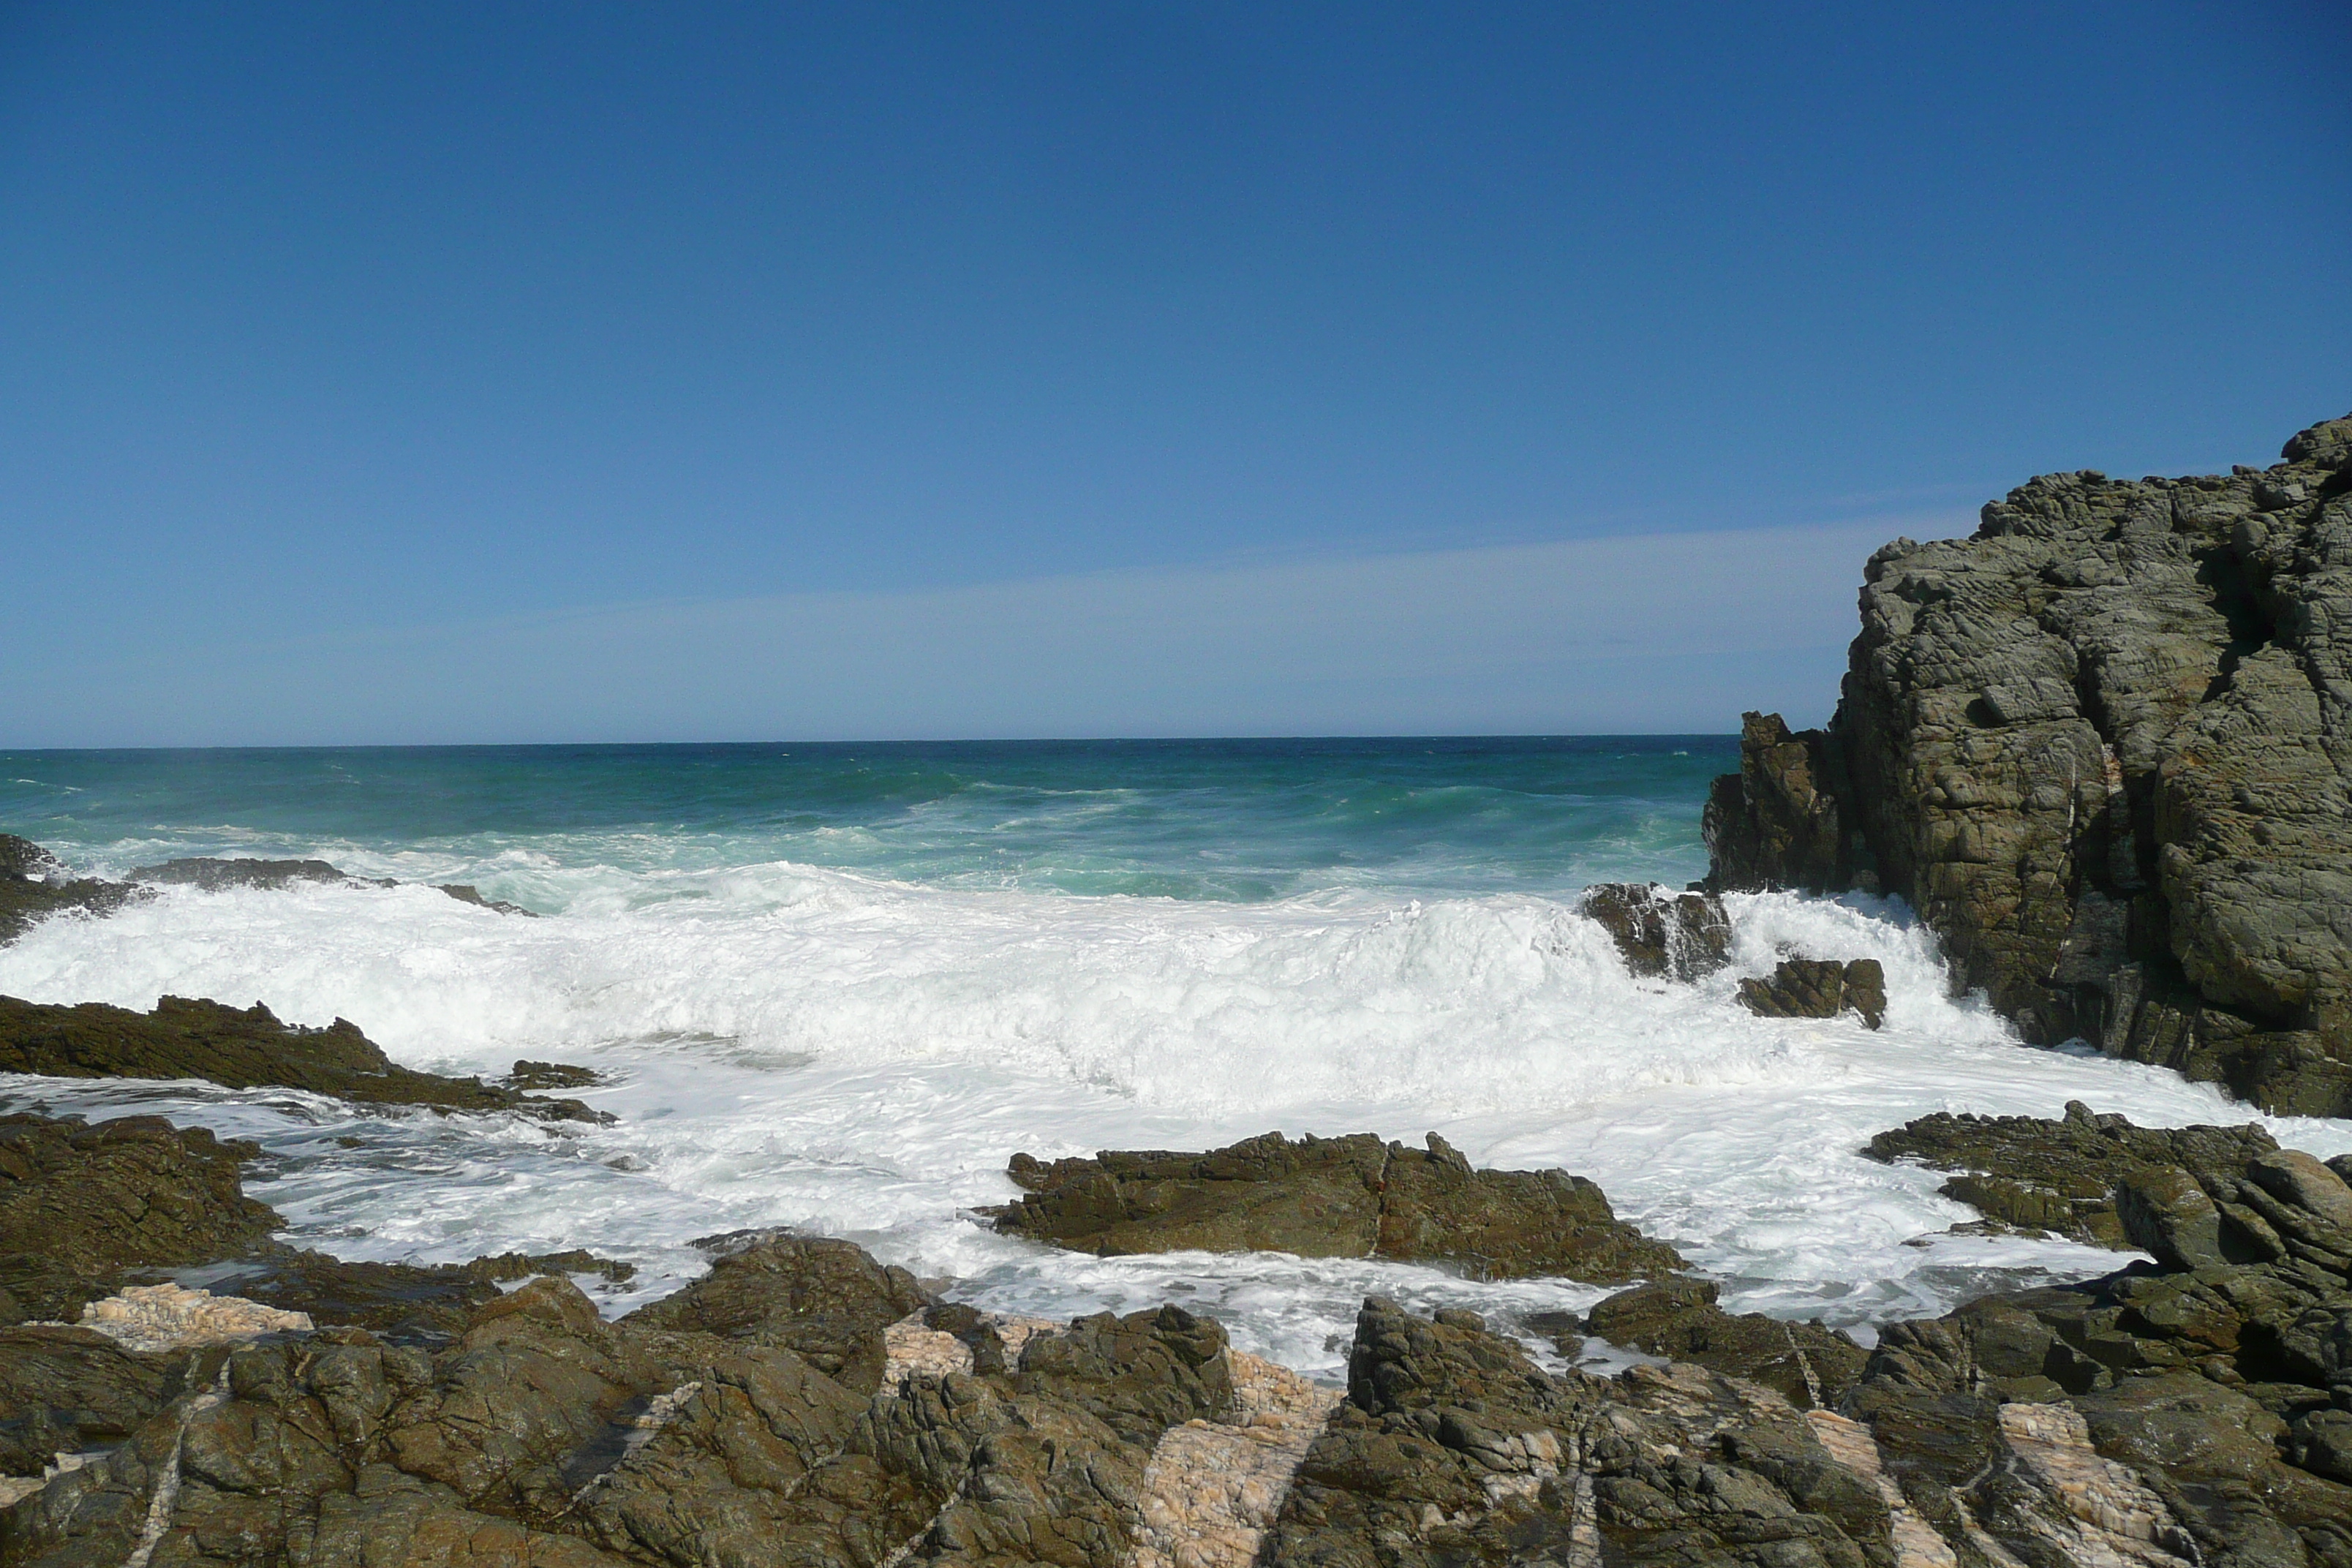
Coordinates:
(1680,936)
(1819,988)
(2102,747)
(1332,1197)
(246,1048)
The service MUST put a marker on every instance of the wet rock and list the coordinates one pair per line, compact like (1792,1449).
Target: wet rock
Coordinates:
(81,1203)
(34,886)
(1678,935)
(1809,1365)
(237,1048)
(22,860)
(1819,988)
(2065,1176)
(216,875)
(467,893)
(402,1302)
(552,1075)
(1332,1197)
(64,1390)
(2102,747)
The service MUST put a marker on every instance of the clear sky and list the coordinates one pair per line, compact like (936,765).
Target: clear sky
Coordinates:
(539,372)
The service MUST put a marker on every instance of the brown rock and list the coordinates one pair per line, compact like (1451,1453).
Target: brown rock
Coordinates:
(239,1050)
(1819,988)
(2102,747)
(1333,1197)
(1679,935)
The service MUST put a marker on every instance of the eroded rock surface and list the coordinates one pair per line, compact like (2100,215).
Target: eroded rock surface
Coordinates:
(1333,1197)
(239,1048)
(2105,748)
(544,1435)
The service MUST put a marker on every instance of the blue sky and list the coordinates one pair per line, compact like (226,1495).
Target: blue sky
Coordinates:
(340,344)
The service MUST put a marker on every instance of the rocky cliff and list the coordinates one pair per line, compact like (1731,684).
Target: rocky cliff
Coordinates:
(2105,747)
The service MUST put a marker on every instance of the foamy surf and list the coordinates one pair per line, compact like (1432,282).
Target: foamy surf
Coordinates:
(802,1045)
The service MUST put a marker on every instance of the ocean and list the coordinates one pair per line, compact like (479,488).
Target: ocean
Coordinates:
(837,987)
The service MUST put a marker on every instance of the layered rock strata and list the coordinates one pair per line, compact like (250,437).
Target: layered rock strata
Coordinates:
(1333,1197)
(2105,747)
(240,1048)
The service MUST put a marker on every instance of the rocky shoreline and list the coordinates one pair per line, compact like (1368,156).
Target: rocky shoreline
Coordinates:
(802,1403)
(2103,748)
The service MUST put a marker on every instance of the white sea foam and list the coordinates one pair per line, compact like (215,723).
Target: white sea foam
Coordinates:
(800,1047)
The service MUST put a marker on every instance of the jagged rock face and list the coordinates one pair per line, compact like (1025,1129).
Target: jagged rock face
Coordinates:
(2105,747)
(81,1203)
(1819,988)
(544,1436)
(239,1048)
(1333,1197)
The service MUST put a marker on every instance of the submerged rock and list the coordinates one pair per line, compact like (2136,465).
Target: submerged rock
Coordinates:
(467,893)
(1333,1197)
(33,886)
(2104,747)
(552,1075)
(246,1048)
(214,875)
(1819,988)
(1678,935)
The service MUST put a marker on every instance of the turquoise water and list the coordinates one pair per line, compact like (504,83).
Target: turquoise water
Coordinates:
(835,988)
(1245,821)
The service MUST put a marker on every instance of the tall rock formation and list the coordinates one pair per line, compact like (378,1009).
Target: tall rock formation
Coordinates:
(2105,747)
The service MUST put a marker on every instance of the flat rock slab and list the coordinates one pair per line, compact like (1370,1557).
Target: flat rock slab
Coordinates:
(1333,1197)
(240,1048)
